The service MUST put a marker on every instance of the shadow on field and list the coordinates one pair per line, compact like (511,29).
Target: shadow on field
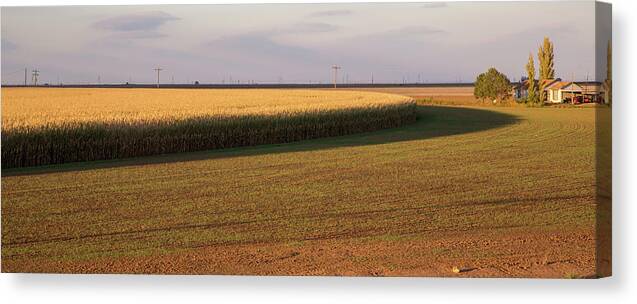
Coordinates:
(433,121)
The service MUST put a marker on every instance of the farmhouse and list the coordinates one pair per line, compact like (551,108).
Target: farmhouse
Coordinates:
(574,92)
(520,89)
(558,91)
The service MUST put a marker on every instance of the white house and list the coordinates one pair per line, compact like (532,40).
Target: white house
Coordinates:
(558,91)
(574,92)
(555,92)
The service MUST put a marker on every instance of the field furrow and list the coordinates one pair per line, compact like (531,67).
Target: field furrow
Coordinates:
(512,192)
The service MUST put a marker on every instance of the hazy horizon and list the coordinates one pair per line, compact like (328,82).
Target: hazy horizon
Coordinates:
(296,43)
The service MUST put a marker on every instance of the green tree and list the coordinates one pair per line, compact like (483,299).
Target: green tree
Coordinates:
(545,58)
(493,85)
(531,89)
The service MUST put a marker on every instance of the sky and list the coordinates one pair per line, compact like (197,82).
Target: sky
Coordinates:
(298,43)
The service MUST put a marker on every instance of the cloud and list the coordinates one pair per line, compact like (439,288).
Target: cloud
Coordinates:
(542,30)
(415,30)
(8,45)
(297,28)
(256,46)
(331,13)
(434,5)
(307,27)
(146,21)
(267,43)
(138,35)
(260,47)
(124,28)
(263,58)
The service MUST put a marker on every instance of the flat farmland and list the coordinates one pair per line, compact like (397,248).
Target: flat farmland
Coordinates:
(495,192)
(37,107)
(45,126)
(450,95)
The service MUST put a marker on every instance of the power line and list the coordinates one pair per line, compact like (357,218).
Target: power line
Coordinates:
(335,68)
(158,69)
(34,77)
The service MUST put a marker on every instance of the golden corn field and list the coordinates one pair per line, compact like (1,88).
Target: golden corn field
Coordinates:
(42,126)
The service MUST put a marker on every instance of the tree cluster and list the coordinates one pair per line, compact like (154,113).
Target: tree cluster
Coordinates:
(496,86)
(536,94)
(492,85)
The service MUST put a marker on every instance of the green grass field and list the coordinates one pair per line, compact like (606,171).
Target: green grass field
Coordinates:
(504,191)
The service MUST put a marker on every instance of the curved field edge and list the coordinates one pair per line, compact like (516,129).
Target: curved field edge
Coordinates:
(460,187)
(88,141)
(34,107)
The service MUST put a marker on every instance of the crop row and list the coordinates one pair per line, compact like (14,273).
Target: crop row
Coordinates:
(87,141)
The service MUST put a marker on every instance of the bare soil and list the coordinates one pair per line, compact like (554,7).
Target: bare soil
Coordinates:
(498,192)
(507,253)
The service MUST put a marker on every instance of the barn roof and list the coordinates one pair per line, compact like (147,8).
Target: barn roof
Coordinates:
(571,87)
(558,85)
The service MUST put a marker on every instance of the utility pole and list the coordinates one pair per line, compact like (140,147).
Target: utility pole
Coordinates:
(34,77)
(572,87)
(335,68)
(372,78)
(25,77)
(586,86)
(158,69)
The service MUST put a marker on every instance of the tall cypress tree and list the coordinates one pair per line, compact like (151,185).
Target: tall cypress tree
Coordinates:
(545,58)
(530,73)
